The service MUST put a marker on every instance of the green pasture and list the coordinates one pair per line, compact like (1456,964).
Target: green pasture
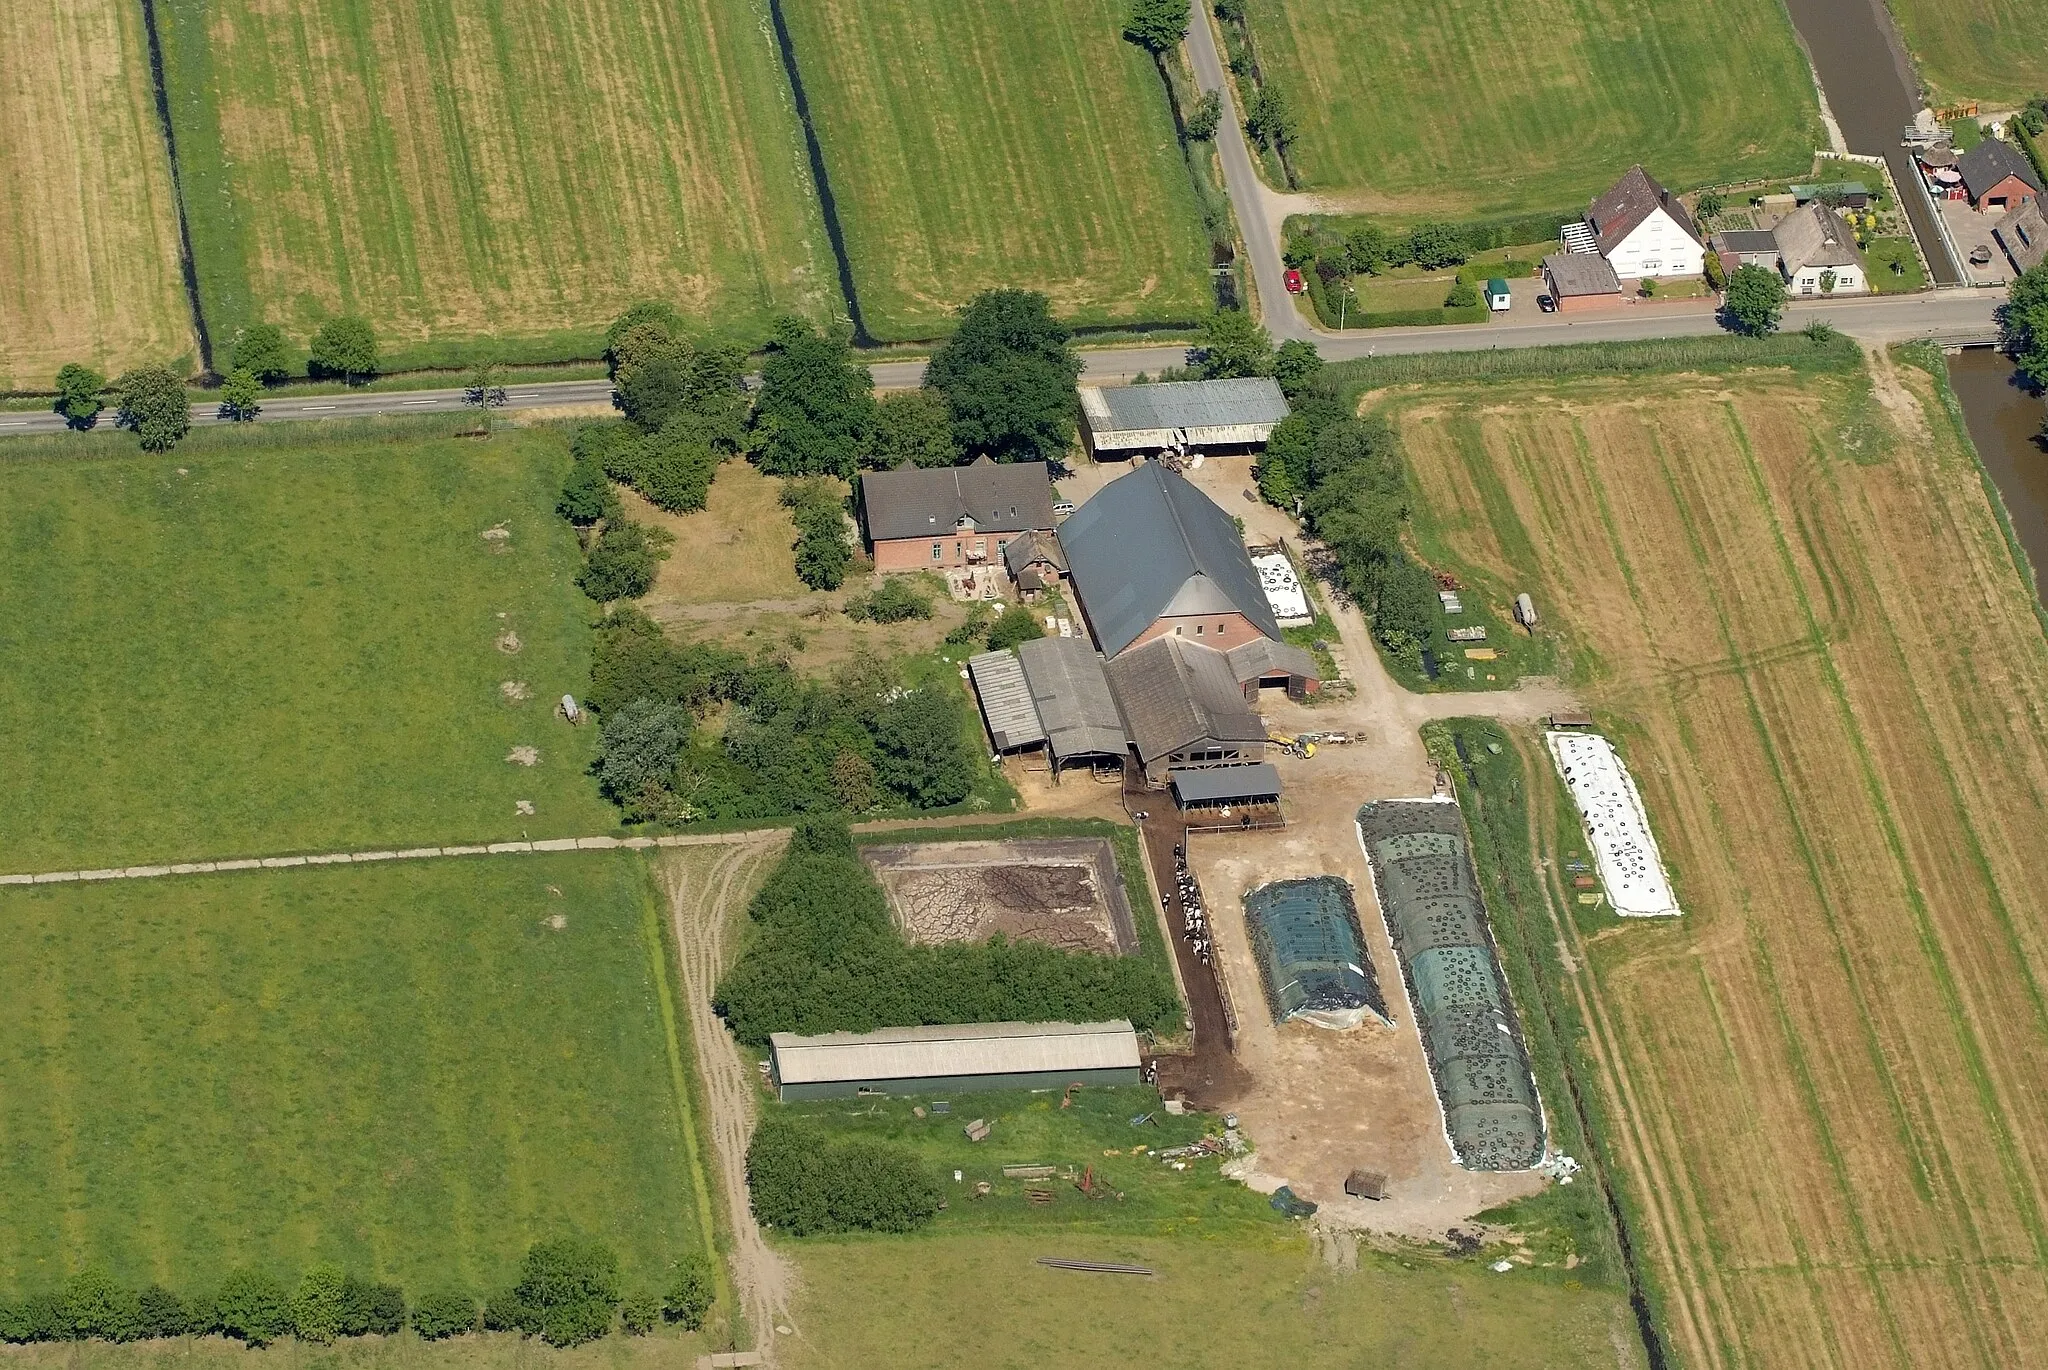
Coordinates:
(501,177)
(288,638)
(1012,142)
(413,1069)
(1457,109)
(1989,50)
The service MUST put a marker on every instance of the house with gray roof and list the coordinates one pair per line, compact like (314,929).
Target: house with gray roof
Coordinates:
(935,518)
(1998,176)
(1816,249)
(1181,416)
(2023,233)
(1152,556)
(1580,280)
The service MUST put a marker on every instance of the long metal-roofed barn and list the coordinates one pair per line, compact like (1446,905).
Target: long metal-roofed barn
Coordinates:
(1181,415)
(951,1060)
(1070,690)
(1006,704)
(1422,870)
(1311,954)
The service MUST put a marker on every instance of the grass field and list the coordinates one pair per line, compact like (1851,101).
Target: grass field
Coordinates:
(519,170)
(285,639)
(412,1069)
(735,550)
(1226,1300)
(1800,616)
(88,223)
(1987,50)
(1005,143)
(1458,109)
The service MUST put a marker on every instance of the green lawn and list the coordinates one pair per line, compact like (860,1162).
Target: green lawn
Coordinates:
(1252,1301)
(409,1069)
(1977,49)
(505,176)
(1459,109)
(281,639)
(1009,142)
(1880,256)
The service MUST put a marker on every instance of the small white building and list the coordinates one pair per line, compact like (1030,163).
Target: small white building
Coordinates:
(1643,231)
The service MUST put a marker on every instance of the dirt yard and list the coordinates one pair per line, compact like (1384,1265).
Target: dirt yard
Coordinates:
(1064,892)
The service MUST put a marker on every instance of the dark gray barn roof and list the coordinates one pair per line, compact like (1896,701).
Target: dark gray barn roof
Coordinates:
(1213,783)
(916,502)
(1176,696)
(1148,544)
(1580,273)
(1071,693)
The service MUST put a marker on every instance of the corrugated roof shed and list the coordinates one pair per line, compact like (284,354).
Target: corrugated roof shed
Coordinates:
(1212,784)
(1005,701)
(1175,695)
(1265,657)
(1149,543)
(916,502)
(968,1049)
(1071,692)
(1128,417)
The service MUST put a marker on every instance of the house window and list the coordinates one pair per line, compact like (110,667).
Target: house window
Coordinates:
(959,549)
(1176,630)
(1220,627)
(938,551)
(1199,627)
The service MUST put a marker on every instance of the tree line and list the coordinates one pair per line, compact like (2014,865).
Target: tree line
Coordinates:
(567,1292)
(825,956)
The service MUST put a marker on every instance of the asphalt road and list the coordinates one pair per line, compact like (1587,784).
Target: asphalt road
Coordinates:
(1945,316)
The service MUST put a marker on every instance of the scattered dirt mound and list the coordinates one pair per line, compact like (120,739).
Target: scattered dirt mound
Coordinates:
(524,755)
(508,642)
(498,539)
(514,691)
(524,807)
(558,921)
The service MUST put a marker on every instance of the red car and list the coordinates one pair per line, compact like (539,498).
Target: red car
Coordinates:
(1294,286)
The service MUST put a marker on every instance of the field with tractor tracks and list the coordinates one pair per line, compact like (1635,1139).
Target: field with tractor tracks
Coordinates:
(1454,109)
(1988,50)
(88,223)
(517,170)
(1004,143)
(1797,611)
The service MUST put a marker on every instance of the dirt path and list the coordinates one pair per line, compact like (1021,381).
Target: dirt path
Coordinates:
(703,890)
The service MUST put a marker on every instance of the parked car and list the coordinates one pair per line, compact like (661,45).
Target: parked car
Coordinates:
(1294,284)
(1546,304)
(1062,507)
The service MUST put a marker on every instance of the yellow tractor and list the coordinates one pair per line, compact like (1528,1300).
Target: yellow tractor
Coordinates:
(1293,746)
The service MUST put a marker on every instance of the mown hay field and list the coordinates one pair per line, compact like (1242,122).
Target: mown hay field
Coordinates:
(89,222)
(1989,50)
(287,639)
(516,170)
(1825,1083)
(414,1069)
(1015,143)
(1458,109)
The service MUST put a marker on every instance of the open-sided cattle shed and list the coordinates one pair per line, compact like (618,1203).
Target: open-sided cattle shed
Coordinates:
(1070,689)
(1006,706)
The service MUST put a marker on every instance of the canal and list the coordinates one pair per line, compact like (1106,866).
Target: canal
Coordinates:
(1872,91)
(2005,424)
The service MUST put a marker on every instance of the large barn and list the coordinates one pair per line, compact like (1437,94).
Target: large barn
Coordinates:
(1181,416)
(953,1060)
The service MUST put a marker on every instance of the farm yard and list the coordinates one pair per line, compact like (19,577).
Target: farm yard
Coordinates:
(519,171)
(413,1070)
(293,638)
(1804,626)
(1008,143)
(1988,50)
(88,225)
(1459,110)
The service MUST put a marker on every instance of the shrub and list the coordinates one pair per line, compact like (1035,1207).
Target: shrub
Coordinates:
(802,1182)
(1463,295)
(896,599)
(1017,623)
(690,1291)
(824,548)
(639,1311)
(39,1317)
(241,395)
(1436,246)
(674,468)
(253,1306)
(370,1308)
(260,350)
(1206,117)
(623,563)
(567,1294)
(94,1306)
(973,626)
(445,1313)
(587,494)
(316,1308)
(637,755)
(161,1313)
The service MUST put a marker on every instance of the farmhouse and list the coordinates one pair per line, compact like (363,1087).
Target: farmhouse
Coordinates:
(920,519)
(2023,233)
(1580,280)
(1817,252)
(1997,176)
(1181,416)
(1152,556)
(952,1060)
(1642,230)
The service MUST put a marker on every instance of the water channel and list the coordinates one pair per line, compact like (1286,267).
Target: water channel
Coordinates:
(2005,424)
(1873,94)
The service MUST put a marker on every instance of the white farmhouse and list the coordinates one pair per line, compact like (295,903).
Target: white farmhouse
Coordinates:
(1817,252)
(1642,230)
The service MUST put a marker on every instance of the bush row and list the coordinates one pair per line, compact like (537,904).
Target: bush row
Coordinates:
(804,1182)
(567,1292)
(825,956)
(1416,318)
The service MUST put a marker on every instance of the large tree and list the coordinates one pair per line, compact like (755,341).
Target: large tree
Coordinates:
(661,375)
(2023,323)
(1297,366)
(78,394)
(1008,376)
(1157,25)
(815,414)
(912,426)
(1235,344)
(260,349)
(240,395)
(153,404)
(345,346)
(1755,300)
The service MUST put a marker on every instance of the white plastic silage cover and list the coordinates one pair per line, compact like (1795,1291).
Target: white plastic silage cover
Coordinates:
(1630,868)
(1282,587)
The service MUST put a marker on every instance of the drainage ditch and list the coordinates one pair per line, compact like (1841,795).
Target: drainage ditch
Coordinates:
(830,208)
(186,266)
